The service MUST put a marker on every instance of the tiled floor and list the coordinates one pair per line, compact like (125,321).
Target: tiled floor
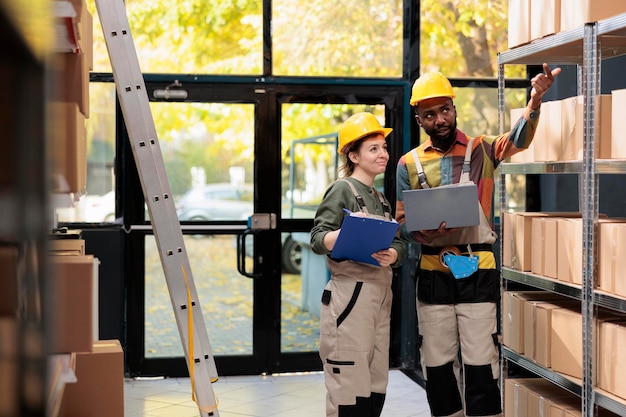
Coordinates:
(289,395)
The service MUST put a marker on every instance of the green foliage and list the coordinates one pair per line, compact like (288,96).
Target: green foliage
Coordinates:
(461,38)
(310,38)
(212,136)
(197,36)
(178,174)
(353,39)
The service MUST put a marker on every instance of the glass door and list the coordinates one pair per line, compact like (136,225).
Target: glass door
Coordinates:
(208,146)
(308,120)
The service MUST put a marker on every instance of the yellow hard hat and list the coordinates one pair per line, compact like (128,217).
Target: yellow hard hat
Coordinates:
(358,126)
(430,85)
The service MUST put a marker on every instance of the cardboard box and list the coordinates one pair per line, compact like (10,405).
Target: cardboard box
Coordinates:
(516,395)
(8,337)
(540,398)
(569,149)
(618,124)
(69,148)
(8,393)
(564,250)
(61,370)
(78,5)
(8,366)
(566,338)
(538,328)
(9,264)
(567,341)
(545,18)
(515,398)
(85,35)
(71,290)
(74,88)
(519,22)
(611,259)
(565,406)
(99,390)
(538,404)
(570,250)
(579,12)
(531,397)
(573,146)
(67,247)
(513,315)
(572,127)
(517,238)
(544,249)
(507,243)
(612,358)
(549,137)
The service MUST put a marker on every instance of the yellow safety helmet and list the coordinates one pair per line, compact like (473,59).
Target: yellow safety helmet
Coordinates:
(430,85)
(358,126)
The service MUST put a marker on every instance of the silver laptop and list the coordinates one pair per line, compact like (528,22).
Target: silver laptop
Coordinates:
(455,204)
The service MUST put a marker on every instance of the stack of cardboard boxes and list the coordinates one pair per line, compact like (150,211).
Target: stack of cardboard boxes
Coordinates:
(530,20)
(97,366)
(97,388)
(547,329)
(85,376)
(531,397)
(527,322)
(68,106)
(562,138)
(550,245)
(559,135)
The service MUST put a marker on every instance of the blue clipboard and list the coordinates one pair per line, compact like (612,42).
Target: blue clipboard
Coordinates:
(361,236)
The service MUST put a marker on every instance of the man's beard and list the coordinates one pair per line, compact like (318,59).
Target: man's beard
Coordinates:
(442,142)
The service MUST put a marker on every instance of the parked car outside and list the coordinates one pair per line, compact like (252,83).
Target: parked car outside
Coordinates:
(101,209)
(223,201)
(220,201)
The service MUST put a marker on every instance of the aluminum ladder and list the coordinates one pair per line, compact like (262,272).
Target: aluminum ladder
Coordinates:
(134,101)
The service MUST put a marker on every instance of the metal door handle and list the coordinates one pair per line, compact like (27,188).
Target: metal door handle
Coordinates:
(241,254)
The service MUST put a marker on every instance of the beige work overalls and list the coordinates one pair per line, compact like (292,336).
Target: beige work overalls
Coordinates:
(459,314)
(354,338)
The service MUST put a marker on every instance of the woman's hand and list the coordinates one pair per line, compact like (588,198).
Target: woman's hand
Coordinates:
(386,257)
(330,238)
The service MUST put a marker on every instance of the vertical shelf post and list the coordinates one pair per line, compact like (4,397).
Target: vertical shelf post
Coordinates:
(501,122)
(591,89)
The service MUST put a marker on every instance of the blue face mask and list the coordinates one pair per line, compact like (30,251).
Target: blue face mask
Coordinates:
(461,266)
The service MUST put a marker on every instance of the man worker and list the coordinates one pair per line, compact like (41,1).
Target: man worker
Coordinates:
(459,313)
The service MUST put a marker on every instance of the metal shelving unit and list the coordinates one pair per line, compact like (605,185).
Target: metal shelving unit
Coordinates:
(585,47)
(601,399)
(600,299)
(602,166)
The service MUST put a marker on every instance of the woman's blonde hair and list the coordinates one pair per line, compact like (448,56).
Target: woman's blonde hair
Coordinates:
(346,166)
